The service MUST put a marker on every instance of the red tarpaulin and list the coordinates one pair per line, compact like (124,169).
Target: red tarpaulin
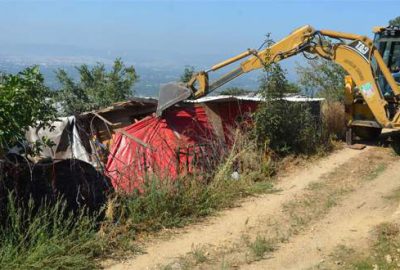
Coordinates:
(173,143)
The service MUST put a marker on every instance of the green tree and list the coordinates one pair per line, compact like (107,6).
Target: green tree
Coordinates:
(293,88)
(24,101)
(188,73)
(283,126)
(96,87)
(322,78)
(395,21)
(275,84)
(234,91)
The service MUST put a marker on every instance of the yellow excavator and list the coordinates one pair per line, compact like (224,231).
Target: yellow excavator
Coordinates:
(372,94)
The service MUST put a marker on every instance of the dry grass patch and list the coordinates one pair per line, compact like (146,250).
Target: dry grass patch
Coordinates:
(334,119)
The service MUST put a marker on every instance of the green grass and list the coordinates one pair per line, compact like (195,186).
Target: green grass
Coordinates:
(260,246)
(316,185)
(167,204)
(380,168)
(225,265)
(199,255)
(261,188)
(48,238)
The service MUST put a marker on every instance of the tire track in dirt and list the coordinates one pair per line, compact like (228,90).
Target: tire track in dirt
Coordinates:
(228,227)
(348,224)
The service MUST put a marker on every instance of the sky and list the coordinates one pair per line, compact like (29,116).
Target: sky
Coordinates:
(169,33)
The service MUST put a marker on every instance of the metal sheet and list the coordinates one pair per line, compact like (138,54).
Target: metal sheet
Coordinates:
(171,94)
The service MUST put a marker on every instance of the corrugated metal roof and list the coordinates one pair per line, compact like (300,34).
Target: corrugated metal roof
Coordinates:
(257,98)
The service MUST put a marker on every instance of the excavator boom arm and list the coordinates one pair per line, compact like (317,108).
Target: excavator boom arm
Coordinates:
(356,54)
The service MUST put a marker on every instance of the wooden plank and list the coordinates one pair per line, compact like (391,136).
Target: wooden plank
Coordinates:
(215,120)
(123,132)
(139,141)
(357,146)
(104,119)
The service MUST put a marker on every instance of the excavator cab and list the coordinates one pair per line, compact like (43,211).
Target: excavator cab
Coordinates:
(387,41)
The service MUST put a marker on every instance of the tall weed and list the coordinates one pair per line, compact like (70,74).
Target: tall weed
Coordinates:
(48,237)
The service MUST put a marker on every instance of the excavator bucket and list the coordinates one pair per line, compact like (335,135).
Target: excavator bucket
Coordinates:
(171,94)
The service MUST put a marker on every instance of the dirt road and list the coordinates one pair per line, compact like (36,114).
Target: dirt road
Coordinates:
(336,200)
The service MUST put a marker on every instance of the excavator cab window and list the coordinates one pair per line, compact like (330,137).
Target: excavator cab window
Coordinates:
(388,43)
(394,60)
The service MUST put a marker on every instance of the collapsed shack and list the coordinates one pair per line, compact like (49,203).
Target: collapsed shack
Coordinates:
(186,139)
(72,165)
(121,146)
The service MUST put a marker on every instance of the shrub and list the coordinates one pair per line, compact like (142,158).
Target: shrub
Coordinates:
(286,127)
(324,78)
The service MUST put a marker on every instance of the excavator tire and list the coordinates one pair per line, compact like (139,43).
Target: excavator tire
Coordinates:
(367,133)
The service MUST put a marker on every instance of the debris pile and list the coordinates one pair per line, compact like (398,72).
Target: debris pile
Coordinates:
(129,143)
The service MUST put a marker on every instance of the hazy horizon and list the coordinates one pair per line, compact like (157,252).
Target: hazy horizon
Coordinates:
(167,35)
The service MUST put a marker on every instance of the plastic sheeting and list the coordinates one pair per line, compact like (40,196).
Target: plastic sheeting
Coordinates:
(173,142)
(183,140)
(67,141)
